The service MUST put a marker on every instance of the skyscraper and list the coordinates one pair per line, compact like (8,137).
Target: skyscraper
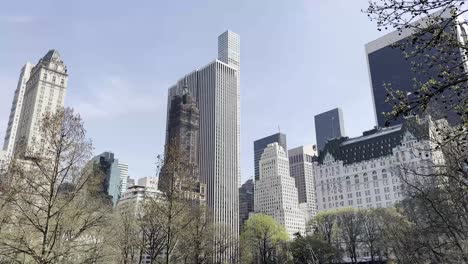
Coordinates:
(328,125)
(107,171)
(123,169)
(215,89)
(15,112)
(261,144)
(44,92)
(229,53)
(275,191)
(389,67)
(301,167)
(246,201)
(182,138)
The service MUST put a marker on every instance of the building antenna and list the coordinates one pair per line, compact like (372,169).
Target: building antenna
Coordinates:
(279,129)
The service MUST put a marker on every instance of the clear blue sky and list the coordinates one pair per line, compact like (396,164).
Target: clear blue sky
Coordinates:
(298,58)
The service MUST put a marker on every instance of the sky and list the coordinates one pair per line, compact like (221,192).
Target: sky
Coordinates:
(298,58)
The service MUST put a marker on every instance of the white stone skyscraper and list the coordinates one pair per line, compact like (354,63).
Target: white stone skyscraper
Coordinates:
(44,92)
(302,169)
(123,168)
(215,89)
(275,191)
(15,112)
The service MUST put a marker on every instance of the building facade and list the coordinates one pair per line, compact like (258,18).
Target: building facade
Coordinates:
(363,172)
(246,202)
(15,112)
(328,125)
(108,183)
(182,139)
(229,53)
(389,68)
(215,90)
(302,169)
(275,191)
(261,144)
(44,92)
(123,170)
(133,197)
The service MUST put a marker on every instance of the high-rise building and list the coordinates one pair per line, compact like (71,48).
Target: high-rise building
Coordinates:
(182,138)
(363,172)
(246,201)
(44,92)
(107,171)
(390,68)
(229,53)
(123,170)
(15,112)
(275,191)
(261,144)
(328,125)
(301,168)
(132,199)
(215,89)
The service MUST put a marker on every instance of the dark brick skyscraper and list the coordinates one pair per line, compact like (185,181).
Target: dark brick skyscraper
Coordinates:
(182,135)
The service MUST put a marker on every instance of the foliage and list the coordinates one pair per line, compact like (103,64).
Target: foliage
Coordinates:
(51,216)
(437,205)
(312,250)
(262,240)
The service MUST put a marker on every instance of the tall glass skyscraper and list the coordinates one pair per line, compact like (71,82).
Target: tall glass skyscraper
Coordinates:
(215,89)
(107,167)
(328,125)
(389,68)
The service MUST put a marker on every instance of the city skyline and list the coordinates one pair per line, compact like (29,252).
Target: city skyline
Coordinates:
(104,89)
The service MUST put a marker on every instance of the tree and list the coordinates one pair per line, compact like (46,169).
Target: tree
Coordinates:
(371,235)
(262,239)
(350,222)
(437,55)
(324,224)
(312,250)
(196,245)
(53,219)
(180,196)
(151,223)
(436,203)
(128,238)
